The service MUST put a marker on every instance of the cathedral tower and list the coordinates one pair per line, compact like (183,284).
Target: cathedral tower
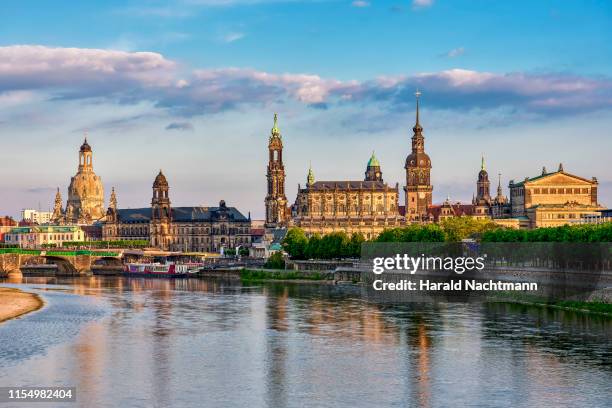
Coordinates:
(418,170)
(276,201)
(161,213)
(373,172)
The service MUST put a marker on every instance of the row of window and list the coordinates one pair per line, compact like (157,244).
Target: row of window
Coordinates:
(143,231)
(561,191)
(354,198)
(341,208)
(551,190)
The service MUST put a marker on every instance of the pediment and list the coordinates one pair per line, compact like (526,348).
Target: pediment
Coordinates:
(559,179)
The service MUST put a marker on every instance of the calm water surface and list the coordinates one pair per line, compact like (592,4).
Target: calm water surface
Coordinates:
(192,343)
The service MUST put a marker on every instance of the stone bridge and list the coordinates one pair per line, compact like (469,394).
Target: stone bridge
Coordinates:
(66,263)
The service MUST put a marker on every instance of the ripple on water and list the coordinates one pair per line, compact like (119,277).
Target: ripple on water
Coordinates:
(60,319)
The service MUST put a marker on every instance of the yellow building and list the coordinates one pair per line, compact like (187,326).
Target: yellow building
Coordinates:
(48,235)
(367,207)
(553,199)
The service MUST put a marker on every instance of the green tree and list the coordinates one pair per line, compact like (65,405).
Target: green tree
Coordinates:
(354,247)
(312,248)
(275,261)
(458,228)
(295,243)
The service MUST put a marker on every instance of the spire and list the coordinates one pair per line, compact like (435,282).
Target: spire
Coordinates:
(310,179)
(275,129)
(499,187)
(482,163)
(417,94)
(417,126)
(113,199)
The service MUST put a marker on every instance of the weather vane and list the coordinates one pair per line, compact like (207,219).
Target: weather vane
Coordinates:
(417,93)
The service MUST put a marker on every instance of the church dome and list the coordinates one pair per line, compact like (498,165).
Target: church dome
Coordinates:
(418,159)
(373,162)
(160,180)
(85,147)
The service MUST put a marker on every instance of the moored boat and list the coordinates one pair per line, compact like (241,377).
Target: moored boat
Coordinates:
(166,270)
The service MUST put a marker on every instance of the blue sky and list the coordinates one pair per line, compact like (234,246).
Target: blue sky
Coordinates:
(191,86)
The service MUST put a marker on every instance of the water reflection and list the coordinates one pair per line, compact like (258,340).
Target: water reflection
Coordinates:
(144,342)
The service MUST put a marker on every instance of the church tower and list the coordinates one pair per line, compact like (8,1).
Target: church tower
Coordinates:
(276,201)
(161,213)
(483,186)
(418,174)
(373,172)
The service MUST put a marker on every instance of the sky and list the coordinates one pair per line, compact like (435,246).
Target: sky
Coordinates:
(191,86)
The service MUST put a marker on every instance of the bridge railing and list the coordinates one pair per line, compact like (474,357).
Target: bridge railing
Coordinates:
(56,252)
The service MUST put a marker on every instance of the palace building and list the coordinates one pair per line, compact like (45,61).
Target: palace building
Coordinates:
(189,229)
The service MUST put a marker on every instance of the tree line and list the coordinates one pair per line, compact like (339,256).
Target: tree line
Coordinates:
(339,245)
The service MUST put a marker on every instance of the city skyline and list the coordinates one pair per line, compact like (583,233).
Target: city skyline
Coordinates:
(178,85)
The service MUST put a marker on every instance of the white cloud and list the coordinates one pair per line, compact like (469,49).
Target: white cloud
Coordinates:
(360,3)
(422,3)
(455,52)
(231,37)
(134,77)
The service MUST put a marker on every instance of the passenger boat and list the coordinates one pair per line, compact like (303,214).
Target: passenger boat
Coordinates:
(159,270)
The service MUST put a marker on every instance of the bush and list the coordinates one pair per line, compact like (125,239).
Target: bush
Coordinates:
(275,261)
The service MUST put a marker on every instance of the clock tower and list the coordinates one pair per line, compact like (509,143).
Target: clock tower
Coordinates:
(418,171)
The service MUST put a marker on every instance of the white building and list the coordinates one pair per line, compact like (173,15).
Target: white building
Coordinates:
(35,216)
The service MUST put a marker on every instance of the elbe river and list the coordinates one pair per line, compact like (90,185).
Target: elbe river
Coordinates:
(198,343)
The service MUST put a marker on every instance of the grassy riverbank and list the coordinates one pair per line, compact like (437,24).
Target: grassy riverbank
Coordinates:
(281,275)
(15,302)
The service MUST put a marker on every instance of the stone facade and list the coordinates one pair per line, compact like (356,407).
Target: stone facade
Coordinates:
(418,187)
(188,229)
(367,207)
(277,212)
(553,199)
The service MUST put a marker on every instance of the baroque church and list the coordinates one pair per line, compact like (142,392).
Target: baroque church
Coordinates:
(85,203)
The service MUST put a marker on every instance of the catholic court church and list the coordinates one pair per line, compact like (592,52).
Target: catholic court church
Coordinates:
(371,205)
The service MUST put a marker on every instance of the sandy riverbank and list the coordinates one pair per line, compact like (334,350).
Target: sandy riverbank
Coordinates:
(15,302)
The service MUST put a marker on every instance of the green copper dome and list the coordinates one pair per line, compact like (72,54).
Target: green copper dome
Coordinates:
(373,162)
(310,179)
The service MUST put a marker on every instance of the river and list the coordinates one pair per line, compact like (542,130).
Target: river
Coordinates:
(197,343)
